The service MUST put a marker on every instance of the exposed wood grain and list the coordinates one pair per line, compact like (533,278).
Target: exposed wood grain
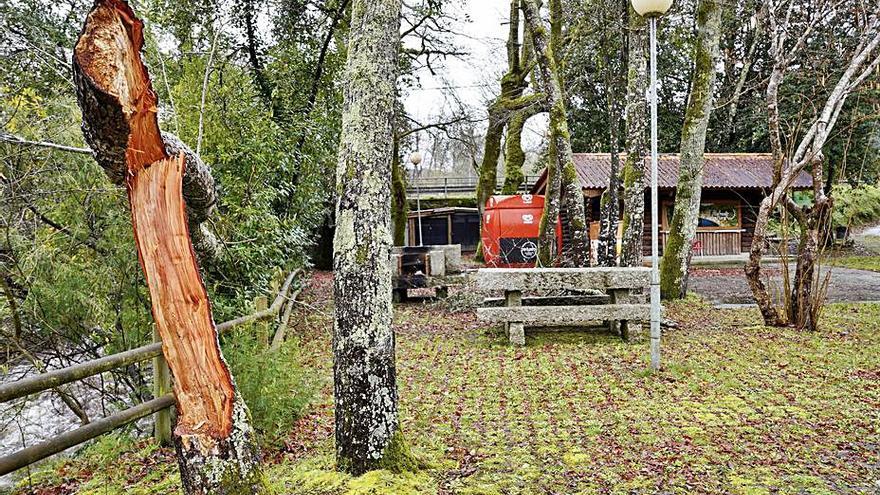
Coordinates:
(180,304)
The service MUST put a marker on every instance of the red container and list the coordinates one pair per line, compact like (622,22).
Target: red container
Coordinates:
(510,230)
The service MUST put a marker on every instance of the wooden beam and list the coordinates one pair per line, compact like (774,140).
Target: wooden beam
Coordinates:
(55,378)
(51,379)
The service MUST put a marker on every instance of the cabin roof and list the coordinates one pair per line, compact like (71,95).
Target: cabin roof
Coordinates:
(722,171)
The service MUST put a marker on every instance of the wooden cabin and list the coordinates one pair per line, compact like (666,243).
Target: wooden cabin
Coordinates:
(733,186)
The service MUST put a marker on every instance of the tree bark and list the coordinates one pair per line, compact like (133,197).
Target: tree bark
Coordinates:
(214,442)
(804,302)
(676,258)
(609,213)
(106,127)
(636,145)
(500,110)
(399,206)
(367,428)
(571,198)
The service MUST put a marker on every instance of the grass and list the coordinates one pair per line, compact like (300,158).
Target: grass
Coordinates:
(738,409)
(870,263)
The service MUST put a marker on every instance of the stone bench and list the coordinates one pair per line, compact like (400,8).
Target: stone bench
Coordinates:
(625,288)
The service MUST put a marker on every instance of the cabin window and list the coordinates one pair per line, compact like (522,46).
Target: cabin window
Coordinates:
(714,215)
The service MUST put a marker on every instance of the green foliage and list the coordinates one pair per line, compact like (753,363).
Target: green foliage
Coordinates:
(855,206)
(273,384)
(870,263)
(65,235)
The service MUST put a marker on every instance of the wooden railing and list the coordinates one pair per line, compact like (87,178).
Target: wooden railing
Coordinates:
(160,405)
(445,185)
(713,242)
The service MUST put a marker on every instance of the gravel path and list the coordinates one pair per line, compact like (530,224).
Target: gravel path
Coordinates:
(729,286)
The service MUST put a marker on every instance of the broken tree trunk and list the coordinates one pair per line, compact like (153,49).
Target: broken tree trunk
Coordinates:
(105,128)
(214,442)
(676,260)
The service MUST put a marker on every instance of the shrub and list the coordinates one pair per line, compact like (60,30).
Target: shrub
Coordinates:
(273,384)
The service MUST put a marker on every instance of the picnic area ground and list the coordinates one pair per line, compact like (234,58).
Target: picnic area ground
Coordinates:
(738,408)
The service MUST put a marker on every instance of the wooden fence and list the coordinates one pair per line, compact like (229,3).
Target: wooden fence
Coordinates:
(713,242)
(444,186)
(160,405)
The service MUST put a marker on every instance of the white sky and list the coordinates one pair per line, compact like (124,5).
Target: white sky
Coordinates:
(475,77)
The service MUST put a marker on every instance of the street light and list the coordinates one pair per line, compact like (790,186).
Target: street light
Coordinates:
(415,159)
(652,9)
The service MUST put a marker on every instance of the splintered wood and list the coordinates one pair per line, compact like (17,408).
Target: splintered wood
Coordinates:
(180,303)
(119,108)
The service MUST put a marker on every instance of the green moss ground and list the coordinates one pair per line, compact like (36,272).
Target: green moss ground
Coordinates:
(738,409)
(871,263)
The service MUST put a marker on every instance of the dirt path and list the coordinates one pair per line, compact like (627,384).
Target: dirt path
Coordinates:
(729,286)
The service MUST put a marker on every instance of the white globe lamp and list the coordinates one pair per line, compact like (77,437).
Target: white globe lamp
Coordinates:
(651,8)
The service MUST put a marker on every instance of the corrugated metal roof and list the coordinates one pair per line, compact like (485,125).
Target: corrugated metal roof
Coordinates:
(721,171)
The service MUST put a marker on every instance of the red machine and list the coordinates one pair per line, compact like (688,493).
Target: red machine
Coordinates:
(510,230)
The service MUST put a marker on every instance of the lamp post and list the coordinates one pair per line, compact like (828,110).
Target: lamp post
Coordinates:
(653,9)
(415,159)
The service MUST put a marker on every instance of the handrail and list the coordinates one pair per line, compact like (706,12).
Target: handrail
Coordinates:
(266,313)
(98,427)
(55,378)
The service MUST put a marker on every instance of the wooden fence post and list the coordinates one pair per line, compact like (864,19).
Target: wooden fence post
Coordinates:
(161,386)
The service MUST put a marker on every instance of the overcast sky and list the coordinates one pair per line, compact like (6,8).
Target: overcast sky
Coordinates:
(483,39)
(475,77)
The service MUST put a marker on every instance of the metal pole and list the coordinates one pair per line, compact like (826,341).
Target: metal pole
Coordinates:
(418,173)
(655,234)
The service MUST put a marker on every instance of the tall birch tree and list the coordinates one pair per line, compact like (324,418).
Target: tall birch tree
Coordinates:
(791,34)
(367,428)
(683,228)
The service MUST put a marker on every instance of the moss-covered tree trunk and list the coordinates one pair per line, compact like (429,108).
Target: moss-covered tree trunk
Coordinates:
(548,250)
(806,298)
(571,199)
(488,177)
(683,228)
(216,449)
(508,103)
(613,59)
(365,390)
(399,206)
(636,143)
(514,156)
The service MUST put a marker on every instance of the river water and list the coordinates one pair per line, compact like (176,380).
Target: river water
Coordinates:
(36,418)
